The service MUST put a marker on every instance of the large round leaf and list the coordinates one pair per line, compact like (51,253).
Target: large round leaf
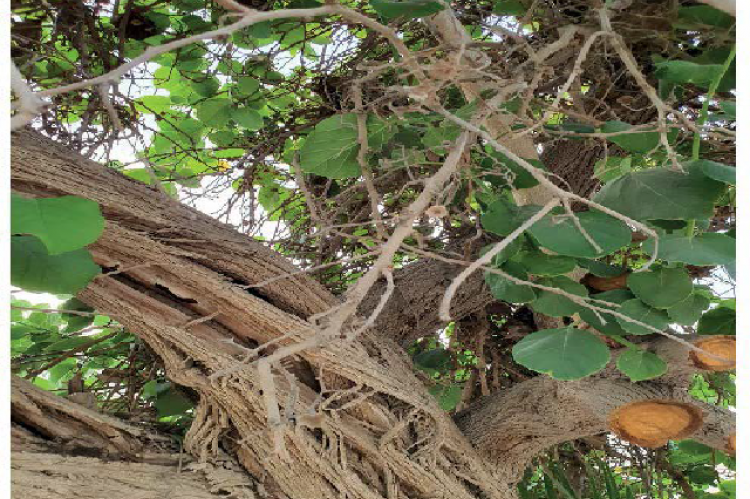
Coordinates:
(637,310)
(717,171)
(661,288)
(214,112)
(631,141)
(721,320)
(542,264)
(559,233)
(406,9)
(62,224)
(661,194)
(689,310)
(33,269)
(506,290)
(331,149)
(704,249)
(611,326)
(247,118)
(565,353)
(555,304)
(503,217)
(640,365)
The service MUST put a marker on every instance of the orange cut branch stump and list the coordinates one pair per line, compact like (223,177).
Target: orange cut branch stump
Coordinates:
(652,423)
(721,346)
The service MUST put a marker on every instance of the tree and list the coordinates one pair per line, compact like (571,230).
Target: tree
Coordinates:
(475,250)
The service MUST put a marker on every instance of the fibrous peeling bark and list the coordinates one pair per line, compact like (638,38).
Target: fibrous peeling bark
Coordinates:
(179,287)
(73,427)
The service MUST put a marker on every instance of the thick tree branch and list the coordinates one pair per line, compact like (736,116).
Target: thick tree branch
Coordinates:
(173,289)
(542,412)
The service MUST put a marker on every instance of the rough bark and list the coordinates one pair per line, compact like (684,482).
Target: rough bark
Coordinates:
(537,414)
(411,312)
(378,433)
(63,449)
(52,476)
(174,290)
(74,427)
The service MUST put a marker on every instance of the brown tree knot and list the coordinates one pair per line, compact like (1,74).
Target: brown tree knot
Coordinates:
(721,346)
(652,423)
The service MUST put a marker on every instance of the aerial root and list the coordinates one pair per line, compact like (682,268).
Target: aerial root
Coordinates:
(652,423)
(720,346)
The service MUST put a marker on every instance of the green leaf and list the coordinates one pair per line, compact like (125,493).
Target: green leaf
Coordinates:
(331,149)
(564,354)
(183,130)
(153,104)
(171,403)
(506,290)
(729,108)
(214,112)
(554,304)
(509,8)
(600,269)
(661,194)
(433,359)
(661,288)
(503,217)
(717,171)
(704,15)
(63,224)
(633,142)
(640,365)
(68,343)
(32,268)
(542,264)
(448,396)
(379,132)
(708,248)
(522,179)
(248,85)
(558,232)
(611,327)
(505,254)
(407,9)
(639,311)
(229,153)
(689,310)
(721,320)
(206,87)
(687,72)
(247,118)
(76,322)
(612,167)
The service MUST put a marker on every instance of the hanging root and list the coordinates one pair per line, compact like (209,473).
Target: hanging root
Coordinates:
(210,422)
(653,423)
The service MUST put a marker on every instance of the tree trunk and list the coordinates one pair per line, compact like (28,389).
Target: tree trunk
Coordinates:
(377,431)
(356,420)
